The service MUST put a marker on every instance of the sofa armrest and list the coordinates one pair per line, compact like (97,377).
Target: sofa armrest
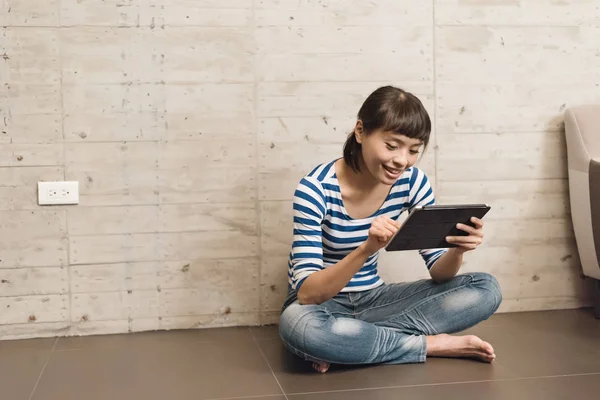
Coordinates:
(594,180)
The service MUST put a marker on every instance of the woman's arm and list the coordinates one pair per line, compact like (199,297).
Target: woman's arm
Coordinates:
(320,286)
(323,285)
(447,266)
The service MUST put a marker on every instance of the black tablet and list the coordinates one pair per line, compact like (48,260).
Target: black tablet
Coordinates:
(427,227)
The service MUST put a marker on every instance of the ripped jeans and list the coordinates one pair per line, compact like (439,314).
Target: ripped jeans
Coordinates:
(388,324)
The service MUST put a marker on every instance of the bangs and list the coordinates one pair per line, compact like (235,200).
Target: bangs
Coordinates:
(399,112)
(410,122)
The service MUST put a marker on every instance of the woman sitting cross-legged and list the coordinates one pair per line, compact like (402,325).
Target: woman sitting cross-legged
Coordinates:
(338,309)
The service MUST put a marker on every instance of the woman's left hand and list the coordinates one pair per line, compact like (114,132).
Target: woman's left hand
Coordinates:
(470,242)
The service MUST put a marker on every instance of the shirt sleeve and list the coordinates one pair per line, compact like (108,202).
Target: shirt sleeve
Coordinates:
(421,194)
(307,247)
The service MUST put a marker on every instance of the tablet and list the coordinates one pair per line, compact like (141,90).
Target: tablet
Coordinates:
(426,227)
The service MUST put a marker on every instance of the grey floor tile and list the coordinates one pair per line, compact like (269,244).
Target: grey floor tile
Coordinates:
(296,375)
(265,332)
(561,320)
(178,369)
(226,363)
(563,388)
(151,339)
(559,388)
(88,374)
(20,368)
(42,344)
(545,344)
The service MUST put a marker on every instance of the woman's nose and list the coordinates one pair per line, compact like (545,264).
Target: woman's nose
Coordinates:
(400,160)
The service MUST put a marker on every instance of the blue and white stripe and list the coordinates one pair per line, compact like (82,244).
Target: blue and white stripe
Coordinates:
(324,233)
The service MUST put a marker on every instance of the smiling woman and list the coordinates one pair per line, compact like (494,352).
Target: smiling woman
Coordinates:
(338,309)
(390,111)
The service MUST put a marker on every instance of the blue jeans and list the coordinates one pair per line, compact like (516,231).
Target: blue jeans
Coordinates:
(388,324)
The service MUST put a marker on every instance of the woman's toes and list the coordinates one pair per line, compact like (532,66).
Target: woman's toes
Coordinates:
(486,357)
(322,368)
(487,348)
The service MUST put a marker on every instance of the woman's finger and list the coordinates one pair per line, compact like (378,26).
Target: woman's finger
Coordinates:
(395,223)
(375,231)
(385,225)
(387,221)
(478,222)
(470,229)
(391,227)
(466,245)
(380,234)
(389,233)
(464,239)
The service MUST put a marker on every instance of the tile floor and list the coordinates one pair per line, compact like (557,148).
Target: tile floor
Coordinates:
(542,355)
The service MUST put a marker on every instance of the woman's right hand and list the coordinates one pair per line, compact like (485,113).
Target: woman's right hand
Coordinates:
(381,231)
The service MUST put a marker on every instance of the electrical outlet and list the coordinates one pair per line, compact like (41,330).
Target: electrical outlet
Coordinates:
(54,193)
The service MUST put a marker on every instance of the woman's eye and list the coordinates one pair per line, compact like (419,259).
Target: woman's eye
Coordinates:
(414,152)
(390,147)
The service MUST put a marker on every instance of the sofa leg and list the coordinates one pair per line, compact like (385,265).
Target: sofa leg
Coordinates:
(596,298)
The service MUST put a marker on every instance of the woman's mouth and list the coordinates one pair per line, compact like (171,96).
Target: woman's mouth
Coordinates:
(392,172)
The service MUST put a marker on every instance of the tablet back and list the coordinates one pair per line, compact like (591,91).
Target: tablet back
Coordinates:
(427,227)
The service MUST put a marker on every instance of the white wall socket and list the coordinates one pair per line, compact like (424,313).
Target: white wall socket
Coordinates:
(54,193)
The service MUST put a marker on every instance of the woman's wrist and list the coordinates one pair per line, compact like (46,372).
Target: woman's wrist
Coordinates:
(363,251)
(447,266)
(456,252)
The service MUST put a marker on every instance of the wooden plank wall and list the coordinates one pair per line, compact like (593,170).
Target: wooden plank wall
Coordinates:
(189,123)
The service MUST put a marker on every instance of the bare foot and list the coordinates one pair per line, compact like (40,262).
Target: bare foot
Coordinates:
(460,346)
(321,367)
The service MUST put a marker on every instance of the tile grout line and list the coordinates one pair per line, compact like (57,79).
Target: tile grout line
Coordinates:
(267,361)
(449,383)
(248,397)
(37,382)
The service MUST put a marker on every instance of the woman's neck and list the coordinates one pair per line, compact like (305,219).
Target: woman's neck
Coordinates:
(360,181)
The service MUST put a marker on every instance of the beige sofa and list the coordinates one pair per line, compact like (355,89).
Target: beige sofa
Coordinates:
(582,129)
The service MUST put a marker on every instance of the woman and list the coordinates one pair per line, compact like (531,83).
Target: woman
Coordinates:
(338,310)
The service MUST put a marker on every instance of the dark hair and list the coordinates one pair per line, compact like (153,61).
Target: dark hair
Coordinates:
(392,110)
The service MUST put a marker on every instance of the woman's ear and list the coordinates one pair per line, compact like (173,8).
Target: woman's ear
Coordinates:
(359,131)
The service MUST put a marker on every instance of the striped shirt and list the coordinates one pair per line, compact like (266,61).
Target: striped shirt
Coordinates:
(324,233)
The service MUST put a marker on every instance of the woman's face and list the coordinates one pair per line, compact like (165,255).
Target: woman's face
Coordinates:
(386,155)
